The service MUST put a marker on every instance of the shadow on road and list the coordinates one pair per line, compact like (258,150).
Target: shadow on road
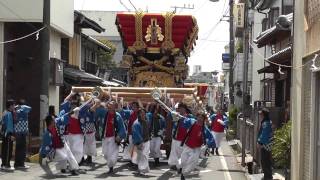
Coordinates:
(204,163)
(166,175)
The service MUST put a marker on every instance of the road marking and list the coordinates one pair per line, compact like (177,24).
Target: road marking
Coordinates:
(227,175)
(205,171)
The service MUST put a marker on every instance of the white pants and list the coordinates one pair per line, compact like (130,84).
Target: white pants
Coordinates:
(110,151)
(127,155)
(175,154)
(155,144)
(89,147)
(75,142)
(63,156)
(189,159)
(218,137)
(142,157)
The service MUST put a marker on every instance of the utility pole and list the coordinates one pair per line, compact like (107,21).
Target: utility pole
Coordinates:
(182,7)
(231,49)
(245,79)
(45,49)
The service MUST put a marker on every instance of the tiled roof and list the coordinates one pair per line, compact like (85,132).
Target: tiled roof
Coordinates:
(282,27)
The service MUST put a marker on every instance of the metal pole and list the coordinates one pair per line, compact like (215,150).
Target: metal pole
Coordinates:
(245,78)
(45,48)
(231,49)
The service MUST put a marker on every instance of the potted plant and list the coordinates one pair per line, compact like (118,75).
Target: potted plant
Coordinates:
(281,148)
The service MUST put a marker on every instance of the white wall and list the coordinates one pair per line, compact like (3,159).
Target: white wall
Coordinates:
(105,19)
(1,66)
(31,11)
(62,16)
(55,51)
(257,60)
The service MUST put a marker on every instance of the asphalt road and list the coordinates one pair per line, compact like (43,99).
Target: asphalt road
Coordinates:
(223,167)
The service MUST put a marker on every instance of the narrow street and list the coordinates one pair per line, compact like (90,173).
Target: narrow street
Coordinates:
(223,167)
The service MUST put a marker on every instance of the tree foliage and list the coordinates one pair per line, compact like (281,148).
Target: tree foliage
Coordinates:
(105,60)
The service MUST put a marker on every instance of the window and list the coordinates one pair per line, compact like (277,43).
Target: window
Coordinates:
(273,15)
(264,24)
(287,6)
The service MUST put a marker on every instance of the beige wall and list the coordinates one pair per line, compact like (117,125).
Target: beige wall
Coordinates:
(297,94)
(75,50)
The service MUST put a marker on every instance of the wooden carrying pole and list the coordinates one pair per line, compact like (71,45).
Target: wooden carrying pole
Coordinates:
(138,90)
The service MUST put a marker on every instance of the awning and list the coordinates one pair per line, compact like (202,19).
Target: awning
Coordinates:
(77,77)
(282,29)
(85,22)
(281,57)
(267,69)
(95,41)
(263,4)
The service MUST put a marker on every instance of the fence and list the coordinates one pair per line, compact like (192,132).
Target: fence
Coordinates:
(248,129)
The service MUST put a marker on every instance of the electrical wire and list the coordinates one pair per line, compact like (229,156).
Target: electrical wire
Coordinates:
(124,6)
(23,37)
(133,5)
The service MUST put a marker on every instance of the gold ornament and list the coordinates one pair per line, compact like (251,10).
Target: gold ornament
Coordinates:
(154,32)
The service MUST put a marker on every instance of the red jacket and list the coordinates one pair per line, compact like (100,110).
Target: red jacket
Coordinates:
(133,117)
(215,125)
(195,138)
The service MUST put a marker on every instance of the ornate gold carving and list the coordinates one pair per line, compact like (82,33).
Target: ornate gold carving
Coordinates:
(192,37)
(180,64)
(127,61)
(139,43)
(153,50)
(157,63)
(154,79)
(168,44)
(154,32)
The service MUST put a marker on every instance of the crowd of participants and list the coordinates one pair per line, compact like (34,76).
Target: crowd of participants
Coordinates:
(70,137)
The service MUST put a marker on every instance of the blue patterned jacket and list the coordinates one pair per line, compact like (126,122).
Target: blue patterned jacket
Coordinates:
(46,149)
(22,125)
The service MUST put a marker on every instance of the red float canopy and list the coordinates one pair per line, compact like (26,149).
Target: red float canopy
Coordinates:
(148,31)
(201,87)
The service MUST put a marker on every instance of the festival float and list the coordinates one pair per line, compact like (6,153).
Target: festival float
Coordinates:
(156,52)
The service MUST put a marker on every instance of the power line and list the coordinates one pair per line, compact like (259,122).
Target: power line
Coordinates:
(133,5)
(23,37)
(124,6)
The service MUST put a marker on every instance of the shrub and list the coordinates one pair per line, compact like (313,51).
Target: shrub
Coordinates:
(281,147)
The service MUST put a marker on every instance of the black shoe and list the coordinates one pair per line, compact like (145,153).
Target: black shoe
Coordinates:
(63,171)
(217,152)
(74,173)
(182,177)
(156,162)
(110,170)
(81,163)
(173,168)
(89,160)
(179,171)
